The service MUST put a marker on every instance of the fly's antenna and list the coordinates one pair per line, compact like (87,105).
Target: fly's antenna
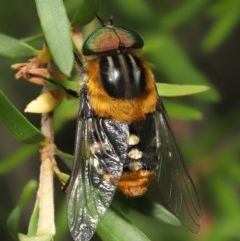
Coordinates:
(111,18)
(100,19)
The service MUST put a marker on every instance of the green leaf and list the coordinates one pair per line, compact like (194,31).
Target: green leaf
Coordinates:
(144,14)
(175,65)
(14,48)
(13,221)
(61,220)
(66,158)
(223,26)
(86,11)
(116,228)
(34,38)
(16,158)
(134,209)
(44,237)
(56,27)
(17,125)
(179,90)
(182,112)
(162,214)
(63,177)
(182,13)
(32,227)
(63,85)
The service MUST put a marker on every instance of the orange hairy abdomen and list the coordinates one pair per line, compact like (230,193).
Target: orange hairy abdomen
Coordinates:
(135,183)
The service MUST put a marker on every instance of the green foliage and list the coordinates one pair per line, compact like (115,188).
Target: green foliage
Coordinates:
(14,219)
(179,90)
(56,28)
(107,231)
(12,48)
(182,13)
(132,211)
(174,63)
(85,12)
(19,127)
(214,151)
(182,112)
(32,227)
(227,15)
(17,158)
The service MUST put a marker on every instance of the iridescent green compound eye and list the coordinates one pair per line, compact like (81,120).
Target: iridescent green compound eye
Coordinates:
(109,38)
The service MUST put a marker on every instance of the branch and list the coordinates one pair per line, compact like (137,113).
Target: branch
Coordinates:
(45,195)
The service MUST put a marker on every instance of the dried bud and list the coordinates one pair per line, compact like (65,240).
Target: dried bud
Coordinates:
(23,68)
(46,102)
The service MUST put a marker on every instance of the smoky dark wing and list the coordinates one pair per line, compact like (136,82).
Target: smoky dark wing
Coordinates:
(175,183)
(101,146)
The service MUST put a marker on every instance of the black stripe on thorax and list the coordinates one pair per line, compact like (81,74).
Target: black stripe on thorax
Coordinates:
(122,75)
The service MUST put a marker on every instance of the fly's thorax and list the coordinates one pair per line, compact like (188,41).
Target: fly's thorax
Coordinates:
(122,75)
(121,86)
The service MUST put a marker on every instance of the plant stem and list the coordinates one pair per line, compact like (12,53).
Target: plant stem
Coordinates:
(46,223)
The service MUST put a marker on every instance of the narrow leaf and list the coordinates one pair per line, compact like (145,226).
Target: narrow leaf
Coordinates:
(66,158)
(175,65)
(162,214)
(144,14)
(56,27)
(63,85)
(222,27)
(16,158)
(63,177)
(132,209)
(14,48)
(86,11)
(179,90)
(183,12)
(182,112)
(32,227)
(13,221)
(17,125)
(61,220)
(116,228)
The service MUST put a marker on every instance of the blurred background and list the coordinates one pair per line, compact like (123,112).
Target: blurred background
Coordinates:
(186,42)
